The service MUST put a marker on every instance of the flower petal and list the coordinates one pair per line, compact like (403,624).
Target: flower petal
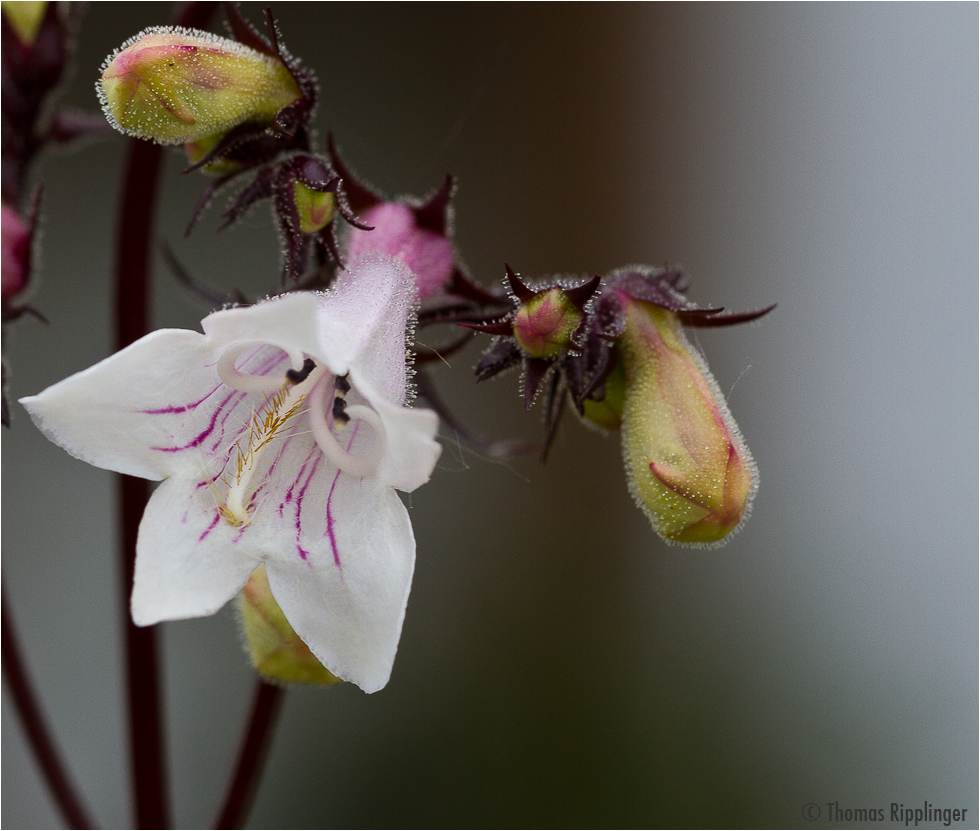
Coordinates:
(364,321)
(347,599)
(116,414)
(288,321)
(188,562)
(411,450)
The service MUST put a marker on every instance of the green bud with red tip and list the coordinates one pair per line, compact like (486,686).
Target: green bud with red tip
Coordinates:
(687,464)
(277,652)
(544,325)
(173,85)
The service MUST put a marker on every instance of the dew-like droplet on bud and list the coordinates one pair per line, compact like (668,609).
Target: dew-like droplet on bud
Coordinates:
(174,85)
(688,467)
(277,652)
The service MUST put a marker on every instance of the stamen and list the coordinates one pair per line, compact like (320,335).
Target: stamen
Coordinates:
(339,406)
(254,383)
(347,463)
(295,376)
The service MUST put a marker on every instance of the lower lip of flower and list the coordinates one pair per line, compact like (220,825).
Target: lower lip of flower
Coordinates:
(303,392)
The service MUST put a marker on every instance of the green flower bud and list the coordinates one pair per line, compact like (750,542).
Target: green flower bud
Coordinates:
(688,467)
(175,85)
(543,326)
(24,18)
(314,207)
(276,650)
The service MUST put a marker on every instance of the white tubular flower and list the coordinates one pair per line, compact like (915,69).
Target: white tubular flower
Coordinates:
(281,434)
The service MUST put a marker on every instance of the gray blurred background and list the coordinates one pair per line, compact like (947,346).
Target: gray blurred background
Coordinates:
(559,665)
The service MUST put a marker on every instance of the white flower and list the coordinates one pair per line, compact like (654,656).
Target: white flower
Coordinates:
(280,434)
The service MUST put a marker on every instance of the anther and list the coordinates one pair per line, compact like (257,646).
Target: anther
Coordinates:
(342,384)
(339,411)
(298,376)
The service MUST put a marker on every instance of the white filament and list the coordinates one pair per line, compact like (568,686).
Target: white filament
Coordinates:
(252,383)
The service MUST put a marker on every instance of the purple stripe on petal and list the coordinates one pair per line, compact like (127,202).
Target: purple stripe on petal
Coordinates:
(330,532)
(333,485)
(210,528)
(182,409)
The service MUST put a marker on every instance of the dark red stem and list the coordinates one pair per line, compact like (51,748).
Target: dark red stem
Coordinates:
(251,757)
(132,309)
(29,711)
(132,317)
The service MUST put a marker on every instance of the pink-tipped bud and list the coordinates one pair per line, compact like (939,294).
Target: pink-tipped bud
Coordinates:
(275,649)
(688,467)
(544,325)
(16,254)
(25,19)
(397,234)
(174,85)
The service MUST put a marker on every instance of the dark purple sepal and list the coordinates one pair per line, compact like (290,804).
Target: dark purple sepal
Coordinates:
(653,285)
(503,355)
(581,295)
(360,197)
(261,187)
(517,286)
(433,215)
(243,32)
(535,369)
(462,285)
(705,320)
(501,327)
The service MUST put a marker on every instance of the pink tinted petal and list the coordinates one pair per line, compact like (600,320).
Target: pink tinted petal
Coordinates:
(429,255)
(363,322)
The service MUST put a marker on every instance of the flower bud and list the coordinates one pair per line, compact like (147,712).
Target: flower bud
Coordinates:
(543,326)
(398,234)
(688,467)
(25,19)
(174,85)
(275,649)
(16,253)
(313,207)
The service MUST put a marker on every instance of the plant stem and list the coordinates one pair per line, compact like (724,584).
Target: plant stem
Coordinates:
(132,316)
(38,736)
(135,230)
(252,756)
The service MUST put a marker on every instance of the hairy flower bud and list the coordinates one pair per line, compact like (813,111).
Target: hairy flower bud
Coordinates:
(174,85)
(688,467)
(543,326)
(314,208)
(275,649)
(25,19)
